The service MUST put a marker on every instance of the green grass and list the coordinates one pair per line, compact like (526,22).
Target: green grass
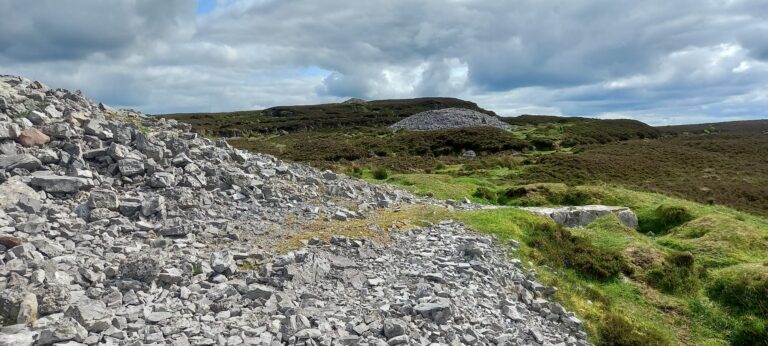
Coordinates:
(440,186)
(743,286)
(719,240)
(665,300)
(594,300)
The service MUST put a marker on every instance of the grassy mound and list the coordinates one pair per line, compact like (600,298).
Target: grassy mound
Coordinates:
(743,286)
(677,274)
(619,330)
(752,332)
(559,247)
(719,240)
(664,218)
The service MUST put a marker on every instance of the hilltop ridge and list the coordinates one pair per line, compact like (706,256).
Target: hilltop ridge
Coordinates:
(317,117)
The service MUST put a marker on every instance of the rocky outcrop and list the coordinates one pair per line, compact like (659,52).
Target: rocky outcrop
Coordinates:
(354,100)
(449,118)
(128,229)
(580,216)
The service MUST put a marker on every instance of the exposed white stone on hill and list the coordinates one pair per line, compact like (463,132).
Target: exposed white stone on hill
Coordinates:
(579,216)
(449,118)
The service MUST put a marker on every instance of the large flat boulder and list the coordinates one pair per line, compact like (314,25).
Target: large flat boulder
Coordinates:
(59,184)
(580,216)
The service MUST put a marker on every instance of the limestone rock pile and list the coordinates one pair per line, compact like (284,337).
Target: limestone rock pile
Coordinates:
(122,229)
(449,118)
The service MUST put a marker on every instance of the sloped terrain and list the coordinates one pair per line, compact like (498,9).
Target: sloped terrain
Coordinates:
(364,114)
(739,128)
(118,228)
(718,169)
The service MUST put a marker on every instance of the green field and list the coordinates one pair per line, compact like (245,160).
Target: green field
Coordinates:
(694,273)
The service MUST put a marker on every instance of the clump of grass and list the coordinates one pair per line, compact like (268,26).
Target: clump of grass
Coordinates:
(752,331)
(197,268)
(719,240)
(526,195)
(664,218)
(572,196)
(743,286)
(356,171)
(543,144)
(380,173)
(678,273)
(485,193)
(618,330)
(671,216)
(558,247)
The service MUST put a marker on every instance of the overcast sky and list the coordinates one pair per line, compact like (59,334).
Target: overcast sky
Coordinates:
(659,61)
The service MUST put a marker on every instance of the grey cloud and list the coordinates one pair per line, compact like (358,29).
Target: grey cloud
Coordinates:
(58,30)
(337,84)
(602,57)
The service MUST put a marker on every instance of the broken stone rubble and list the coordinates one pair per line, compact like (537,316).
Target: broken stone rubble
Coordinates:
(128,229)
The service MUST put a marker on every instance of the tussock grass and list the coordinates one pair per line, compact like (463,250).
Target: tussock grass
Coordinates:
(743,286)
(719,240)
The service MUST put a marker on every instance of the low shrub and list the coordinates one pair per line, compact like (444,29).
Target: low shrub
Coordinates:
(356,171)
(485,193)
(528,195)
(753,331)
(516,192)
(557,246)
(672,216)
(380,173)
(743,286)
(618,330)
(455,141)
(664,218)
(543,144)
(572,196)
(678,273)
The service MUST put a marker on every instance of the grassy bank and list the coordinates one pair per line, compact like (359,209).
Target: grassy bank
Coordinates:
(693,274)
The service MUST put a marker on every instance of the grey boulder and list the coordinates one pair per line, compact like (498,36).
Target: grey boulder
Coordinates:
(25,161)
(59,184)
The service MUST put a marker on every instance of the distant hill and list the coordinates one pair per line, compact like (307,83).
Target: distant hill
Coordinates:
(316,117)
(743,128)
(531,119)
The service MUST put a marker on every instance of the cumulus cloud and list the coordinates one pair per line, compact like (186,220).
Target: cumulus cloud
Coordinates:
(658,61)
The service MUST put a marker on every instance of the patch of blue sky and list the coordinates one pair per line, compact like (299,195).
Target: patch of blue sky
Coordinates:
(205,6)
(314,71)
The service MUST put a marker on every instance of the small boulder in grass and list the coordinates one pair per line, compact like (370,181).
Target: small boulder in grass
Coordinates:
(33,137)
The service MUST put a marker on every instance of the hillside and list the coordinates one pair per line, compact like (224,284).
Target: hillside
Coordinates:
(315,117)
(726,169)
(739,128)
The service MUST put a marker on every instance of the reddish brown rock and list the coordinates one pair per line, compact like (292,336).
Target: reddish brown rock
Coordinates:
(9,242)
(32,137)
